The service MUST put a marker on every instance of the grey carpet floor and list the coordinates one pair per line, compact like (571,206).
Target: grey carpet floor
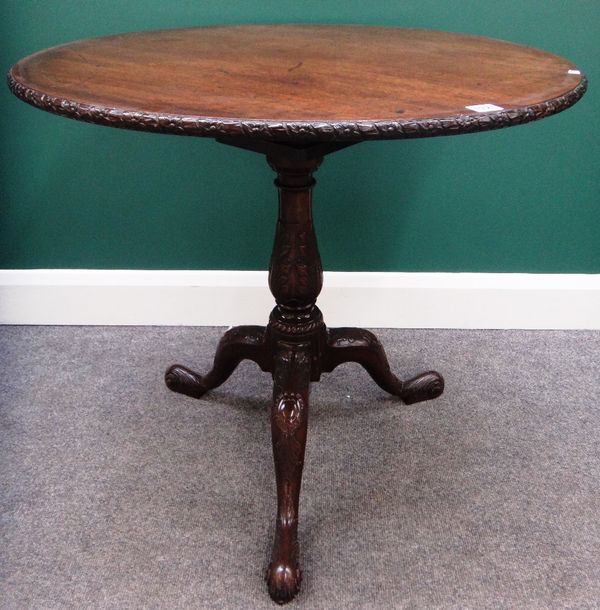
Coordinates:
(116,493)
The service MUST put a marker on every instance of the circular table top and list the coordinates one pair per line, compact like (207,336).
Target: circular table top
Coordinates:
(299,82)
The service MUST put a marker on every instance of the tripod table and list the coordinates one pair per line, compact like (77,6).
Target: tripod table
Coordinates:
(296,93)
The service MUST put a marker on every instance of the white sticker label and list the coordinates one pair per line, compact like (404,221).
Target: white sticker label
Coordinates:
(574,72)
(484,107)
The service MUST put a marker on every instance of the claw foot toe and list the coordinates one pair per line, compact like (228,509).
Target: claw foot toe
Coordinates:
(283,581)
(183,380)
(426,386)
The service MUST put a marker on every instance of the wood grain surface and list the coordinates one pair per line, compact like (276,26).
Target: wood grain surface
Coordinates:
(286,82)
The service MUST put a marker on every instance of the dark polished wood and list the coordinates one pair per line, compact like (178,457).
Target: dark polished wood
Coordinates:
(296,347)
(298,82)
(362,346)
(296,94)
(289,419)
(237,344)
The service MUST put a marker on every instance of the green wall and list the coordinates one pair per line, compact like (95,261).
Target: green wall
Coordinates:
(526,199)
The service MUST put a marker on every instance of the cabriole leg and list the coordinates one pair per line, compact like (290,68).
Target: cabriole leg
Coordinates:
(237,344)
(289,418)
(362,346)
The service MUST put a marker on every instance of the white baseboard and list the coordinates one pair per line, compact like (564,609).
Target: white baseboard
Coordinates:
(223,298)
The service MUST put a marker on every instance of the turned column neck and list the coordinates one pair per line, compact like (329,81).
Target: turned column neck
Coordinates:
(295,272)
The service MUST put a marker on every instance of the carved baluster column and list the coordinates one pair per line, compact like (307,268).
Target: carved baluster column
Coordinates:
(295,273)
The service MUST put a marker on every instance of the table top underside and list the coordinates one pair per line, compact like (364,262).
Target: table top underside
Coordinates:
(299,83)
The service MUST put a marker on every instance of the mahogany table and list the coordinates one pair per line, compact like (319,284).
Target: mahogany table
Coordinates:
(295,94)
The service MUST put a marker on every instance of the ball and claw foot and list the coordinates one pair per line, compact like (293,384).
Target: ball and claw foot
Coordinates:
(283,582)
(183,380)
(426,386)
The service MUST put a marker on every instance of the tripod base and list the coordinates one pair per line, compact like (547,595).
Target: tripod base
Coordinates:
(296,348)
(340,345)
(293,366)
